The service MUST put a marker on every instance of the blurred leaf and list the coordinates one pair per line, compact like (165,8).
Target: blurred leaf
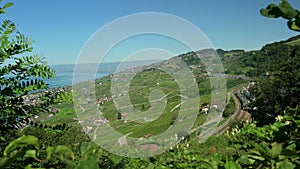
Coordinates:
(276,150)
(90,162)
(285,165)
(30,154)
(244,160)
(63,152)
(8,5)
(256,157)
(20,143)
(2,139)
(292,25)
(2,11)
(49,152)
(272,11)
(231,165)
(288,12)
(29,166)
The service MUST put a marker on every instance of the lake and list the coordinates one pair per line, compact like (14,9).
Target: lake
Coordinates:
(64,73)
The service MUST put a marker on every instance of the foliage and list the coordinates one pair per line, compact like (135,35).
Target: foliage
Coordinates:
(284,10)
(230,108)
(281,89)
(275,145)
(21,73)
(275,70)
(60,134)
(65,96)
(28,147)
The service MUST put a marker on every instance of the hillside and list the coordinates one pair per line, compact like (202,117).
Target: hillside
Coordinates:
(274,89)
(237,64)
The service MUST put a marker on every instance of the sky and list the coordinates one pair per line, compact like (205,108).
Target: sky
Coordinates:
(61,28)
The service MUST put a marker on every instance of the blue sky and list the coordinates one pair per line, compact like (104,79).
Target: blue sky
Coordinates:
(60,28)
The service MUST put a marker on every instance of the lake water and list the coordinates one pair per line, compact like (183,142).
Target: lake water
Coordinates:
(64,73)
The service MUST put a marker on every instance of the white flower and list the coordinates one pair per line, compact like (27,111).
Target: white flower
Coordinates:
(287,122)
(278,118)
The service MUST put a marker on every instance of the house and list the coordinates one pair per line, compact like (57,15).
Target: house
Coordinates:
(205,109)
(147,135)
(124,115)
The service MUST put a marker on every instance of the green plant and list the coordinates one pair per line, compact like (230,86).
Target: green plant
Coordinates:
(274,145)
(28,146)
(284,10)
(21,73)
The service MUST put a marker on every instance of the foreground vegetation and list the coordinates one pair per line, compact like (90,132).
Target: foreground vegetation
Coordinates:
(271,141)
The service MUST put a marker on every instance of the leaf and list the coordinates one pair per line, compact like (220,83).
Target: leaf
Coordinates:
(285,165)
(293,26)
(276,150)
(2,139)
(8,5)
(63,152)
(297,22)
(244,160)
(29,166)
(288,12)
(292,146)
(30,154)
(272,11)
(19,143)
(231,165)
(49,152)
(91,162)
(2,11)
(288,152)
(256,157)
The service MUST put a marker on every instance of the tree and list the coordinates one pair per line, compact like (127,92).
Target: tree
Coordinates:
(282,88)
(21,73)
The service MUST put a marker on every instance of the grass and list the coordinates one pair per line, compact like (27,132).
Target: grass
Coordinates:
(141,86)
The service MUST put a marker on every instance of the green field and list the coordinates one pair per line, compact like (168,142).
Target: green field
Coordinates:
(141,86)
(135,89)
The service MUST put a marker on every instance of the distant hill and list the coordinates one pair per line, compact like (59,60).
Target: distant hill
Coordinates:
(236,62)
(103,67)
(249,63)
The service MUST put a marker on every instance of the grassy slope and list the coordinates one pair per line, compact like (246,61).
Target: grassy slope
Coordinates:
(140,87)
